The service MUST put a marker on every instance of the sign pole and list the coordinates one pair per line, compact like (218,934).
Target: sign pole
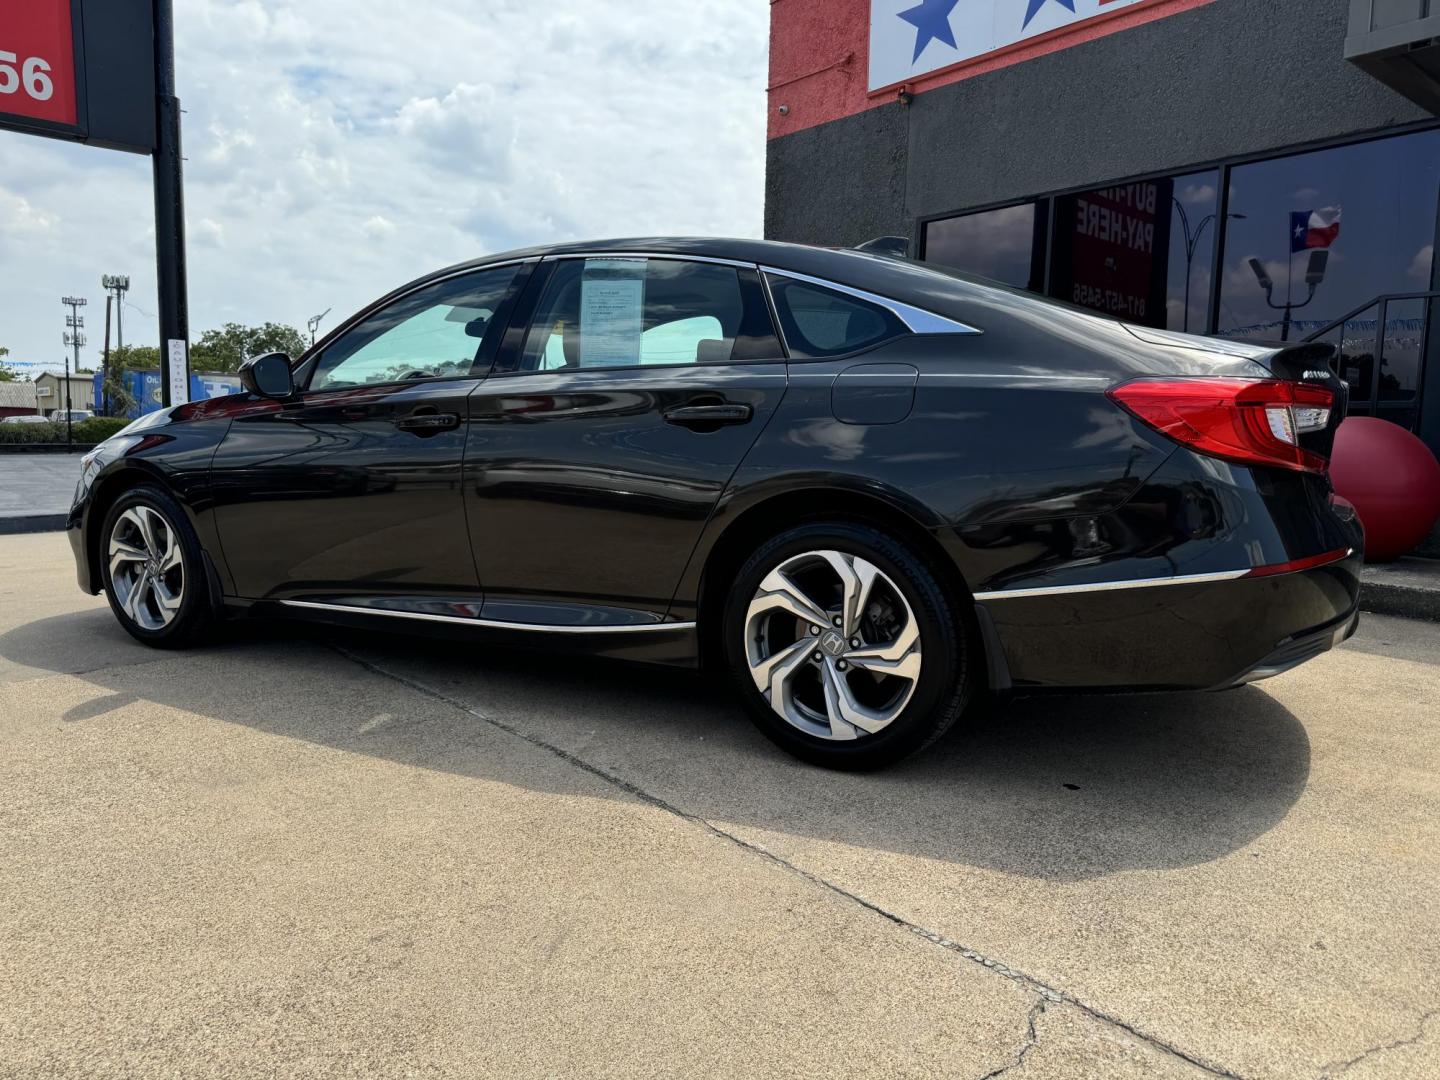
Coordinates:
(169,172)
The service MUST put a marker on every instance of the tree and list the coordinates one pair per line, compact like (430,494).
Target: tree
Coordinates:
(7,374)
(230,346)
(135,358)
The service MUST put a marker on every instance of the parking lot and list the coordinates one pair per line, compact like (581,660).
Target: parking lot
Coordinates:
(302,853)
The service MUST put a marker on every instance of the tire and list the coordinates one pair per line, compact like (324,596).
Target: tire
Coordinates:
(806,712)
(161,597)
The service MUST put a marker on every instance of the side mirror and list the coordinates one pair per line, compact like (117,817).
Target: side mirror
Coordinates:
(268,375)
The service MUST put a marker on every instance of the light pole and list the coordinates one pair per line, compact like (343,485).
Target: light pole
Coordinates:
(1192,241)
(119,284)
(1314,275)
(75,339)
(314,323)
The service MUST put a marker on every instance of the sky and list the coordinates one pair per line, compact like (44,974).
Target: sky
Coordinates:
(337,148)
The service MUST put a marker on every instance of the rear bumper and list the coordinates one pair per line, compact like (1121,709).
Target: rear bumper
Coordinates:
(1302,647)
(1195,636)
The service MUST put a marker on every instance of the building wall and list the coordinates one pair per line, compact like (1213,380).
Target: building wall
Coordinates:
(82,394)
(1225,79)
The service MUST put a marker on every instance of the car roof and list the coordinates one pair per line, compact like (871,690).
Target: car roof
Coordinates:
(930,287)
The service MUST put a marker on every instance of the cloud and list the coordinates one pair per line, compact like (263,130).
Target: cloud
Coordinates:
(1198,194)
(378,226)
(336,148)
(1421,264)
(469,131)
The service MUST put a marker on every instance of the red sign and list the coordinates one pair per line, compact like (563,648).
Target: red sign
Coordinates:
(1112,250)
(37,61)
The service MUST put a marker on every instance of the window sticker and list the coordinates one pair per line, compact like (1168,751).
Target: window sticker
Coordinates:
(612,299)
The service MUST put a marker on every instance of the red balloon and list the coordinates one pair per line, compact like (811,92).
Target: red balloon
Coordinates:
(1393,481)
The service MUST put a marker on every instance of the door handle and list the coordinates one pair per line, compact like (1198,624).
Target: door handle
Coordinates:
(424,423)
(703,415)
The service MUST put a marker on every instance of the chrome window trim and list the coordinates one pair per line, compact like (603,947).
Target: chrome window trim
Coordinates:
(495,624)
(1110,586)
(671,256)
(917,320)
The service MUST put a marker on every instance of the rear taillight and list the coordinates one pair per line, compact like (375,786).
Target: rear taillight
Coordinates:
(1255,421)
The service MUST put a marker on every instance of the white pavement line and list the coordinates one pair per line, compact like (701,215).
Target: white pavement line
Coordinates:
(1047,992)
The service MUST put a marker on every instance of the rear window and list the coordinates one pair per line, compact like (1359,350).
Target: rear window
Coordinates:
(821,322)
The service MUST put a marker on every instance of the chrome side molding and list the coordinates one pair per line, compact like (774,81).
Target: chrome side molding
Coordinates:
(1110,586)
(489,624)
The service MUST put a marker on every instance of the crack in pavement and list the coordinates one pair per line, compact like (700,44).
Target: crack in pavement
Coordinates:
(1048,993)
(1338,1067)
(1036,1011)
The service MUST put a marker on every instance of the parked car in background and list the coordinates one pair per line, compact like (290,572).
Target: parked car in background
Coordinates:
(25,420)
(870,489)
(60,416)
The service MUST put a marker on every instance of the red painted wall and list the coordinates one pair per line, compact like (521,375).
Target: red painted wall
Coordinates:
(820,57)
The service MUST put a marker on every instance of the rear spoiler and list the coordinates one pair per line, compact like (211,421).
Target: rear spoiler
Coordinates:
(892,247)
(1311,361)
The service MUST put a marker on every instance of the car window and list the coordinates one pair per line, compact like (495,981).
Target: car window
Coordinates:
(433,332)
(627,312)
(821,322)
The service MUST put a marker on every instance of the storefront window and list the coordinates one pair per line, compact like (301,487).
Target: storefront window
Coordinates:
(1005,245)
(1131,249)
(1194,204)
(1354,222)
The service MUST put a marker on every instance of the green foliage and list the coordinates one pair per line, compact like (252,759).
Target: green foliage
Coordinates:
(224,349)
(97,428)
(230,346)
(7,374)
(32,433)
(135,358)
(116,394)
(94,430)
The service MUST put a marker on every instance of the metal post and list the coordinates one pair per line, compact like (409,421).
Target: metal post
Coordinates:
(74,338)
(69,420)
(1289,275)
(105,364)
(169,204)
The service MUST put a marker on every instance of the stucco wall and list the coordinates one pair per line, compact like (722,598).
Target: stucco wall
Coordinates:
(1232,77)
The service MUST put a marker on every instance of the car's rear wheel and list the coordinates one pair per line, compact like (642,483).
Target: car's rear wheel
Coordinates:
(152,569)
(845,646)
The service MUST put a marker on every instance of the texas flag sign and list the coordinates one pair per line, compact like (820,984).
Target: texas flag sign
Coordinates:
(1314,228)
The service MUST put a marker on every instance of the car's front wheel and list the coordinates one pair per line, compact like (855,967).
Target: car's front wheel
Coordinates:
(152,569)
(846,648)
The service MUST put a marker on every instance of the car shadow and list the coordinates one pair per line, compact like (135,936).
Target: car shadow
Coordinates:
(1055,788)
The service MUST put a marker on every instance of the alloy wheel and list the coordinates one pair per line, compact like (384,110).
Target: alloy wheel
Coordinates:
(833,645)
(147,570)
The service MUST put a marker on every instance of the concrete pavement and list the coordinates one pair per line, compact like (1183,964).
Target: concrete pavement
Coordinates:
(36,490)
(311,854)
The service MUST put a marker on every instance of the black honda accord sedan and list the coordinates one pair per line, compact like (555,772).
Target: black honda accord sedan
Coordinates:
(870,489)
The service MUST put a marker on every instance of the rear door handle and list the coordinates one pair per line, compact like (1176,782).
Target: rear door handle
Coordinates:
(427,422)
(688,415)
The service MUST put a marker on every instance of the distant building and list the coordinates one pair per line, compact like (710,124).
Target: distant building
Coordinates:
(144,387)
(17,399)
(50,392)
